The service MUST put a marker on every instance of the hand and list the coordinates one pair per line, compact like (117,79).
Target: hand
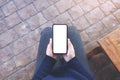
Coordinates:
(71,53)
(49,50)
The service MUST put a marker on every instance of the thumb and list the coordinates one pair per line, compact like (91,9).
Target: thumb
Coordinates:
(50,43)
(69,42)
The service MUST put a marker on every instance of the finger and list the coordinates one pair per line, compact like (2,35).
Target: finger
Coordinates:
(69,43)
(50,43)
(50,40)
(70,46)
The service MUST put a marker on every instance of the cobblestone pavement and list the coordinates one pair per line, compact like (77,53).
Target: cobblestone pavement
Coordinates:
(21,22)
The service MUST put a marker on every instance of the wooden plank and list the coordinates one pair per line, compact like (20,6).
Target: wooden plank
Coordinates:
(111,45)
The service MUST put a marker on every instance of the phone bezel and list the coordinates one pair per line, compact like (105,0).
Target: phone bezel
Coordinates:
(66,39)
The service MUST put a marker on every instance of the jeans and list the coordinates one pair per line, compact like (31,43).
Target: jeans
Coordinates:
(74,37)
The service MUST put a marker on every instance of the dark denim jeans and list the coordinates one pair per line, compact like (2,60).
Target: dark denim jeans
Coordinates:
(75,38)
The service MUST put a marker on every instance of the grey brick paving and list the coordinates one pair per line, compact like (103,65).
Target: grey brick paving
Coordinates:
(41,4)
(1,14)
(12,20)
(21,22)
(27,12)
(3,26)
(9,8)
(19,3)
(51,12)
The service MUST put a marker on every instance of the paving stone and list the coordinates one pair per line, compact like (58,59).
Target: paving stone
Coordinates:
(28,1)
(118,26)
(9,8)
(64,5)
(85,37)
(102,1)
(3,26)
(41,4)
(2,2)
(32,37)
(76,12)
(1,14)
(78,1)
(52,1)
(64,18)
(110,22)
(5,71)
(5,54)
(117,14)
(30,69)
(22,29)
(108,7)
(1,77)
(93,17)
(96,30)
(51,12)
(20,75)
(27,12)
(21,60)
(47,24)
(81,23)
(117,3)
(36,21)
(7,37)
(18,46)
(19,3)
(12,20)
(32,51)
(88,5)
(36,34)
(42,20)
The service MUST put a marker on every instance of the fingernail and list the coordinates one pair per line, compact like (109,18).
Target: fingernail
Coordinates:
(50,40)
(69,39)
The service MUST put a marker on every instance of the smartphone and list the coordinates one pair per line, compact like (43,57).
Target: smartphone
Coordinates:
(59,43)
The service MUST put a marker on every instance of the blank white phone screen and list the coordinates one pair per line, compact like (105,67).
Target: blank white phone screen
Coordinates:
(60,39)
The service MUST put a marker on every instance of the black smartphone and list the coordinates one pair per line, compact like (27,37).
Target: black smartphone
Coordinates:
(59,44)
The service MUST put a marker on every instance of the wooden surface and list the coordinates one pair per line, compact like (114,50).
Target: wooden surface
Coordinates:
(111,45)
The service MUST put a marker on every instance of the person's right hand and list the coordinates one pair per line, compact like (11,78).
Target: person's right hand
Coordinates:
(49,50)
(71,53)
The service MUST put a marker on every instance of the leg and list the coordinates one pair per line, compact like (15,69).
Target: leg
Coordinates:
(78,46)
(46,34)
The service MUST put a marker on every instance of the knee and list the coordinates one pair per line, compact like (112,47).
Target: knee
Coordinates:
(47,30)
(72,29)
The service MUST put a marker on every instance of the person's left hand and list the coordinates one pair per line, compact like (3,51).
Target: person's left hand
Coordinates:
(49,50)
(71,52)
